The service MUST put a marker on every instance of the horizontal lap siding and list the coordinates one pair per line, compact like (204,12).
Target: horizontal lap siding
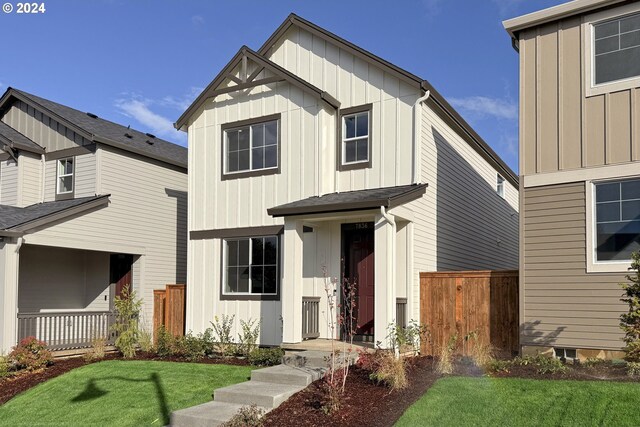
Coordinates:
(563,305)
(84,179)
(9,173)
(31,179)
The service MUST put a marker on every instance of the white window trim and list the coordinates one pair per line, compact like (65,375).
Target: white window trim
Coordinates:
(251,169)
(500,186)
(72,175)
(356,138)
(594,266)
(225,265)
(589,21)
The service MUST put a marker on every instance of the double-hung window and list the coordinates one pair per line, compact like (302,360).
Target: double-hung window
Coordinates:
(251,146)
(251,266)
(500,185)
(65,176)
(355,141)
(617,220)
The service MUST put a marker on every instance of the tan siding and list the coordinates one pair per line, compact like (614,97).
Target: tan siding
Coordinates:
(563,305)
(30,179)
(9,173)
(619,127)
(528,102)
(570,90)
(84,180)
(548,98)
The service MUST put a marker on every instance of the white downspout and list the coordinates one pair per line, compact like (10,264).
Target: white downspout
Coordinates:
(43,171)
(417,135)
(391,277)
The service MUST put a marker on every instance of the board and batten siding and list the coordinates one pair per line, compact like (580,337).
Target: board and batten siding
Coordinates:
(9,173)
(561,128)
(563,305)
(146,216)
(42,129)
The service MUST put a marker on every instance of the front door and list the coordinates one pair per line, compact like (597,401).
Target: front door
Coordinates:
(120,272)
(358,267)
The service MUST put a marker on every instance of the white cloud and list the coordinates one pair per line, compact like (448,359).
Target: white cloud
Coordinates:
(140,109)
(197,20)
(183,102)
(482,106)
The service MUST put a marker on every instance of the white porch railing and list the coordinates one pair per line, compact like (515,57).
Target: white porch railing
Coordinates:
(67,330)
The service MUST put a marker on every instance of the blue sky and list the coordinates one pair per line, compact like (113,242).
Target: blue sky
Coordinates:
(140,63)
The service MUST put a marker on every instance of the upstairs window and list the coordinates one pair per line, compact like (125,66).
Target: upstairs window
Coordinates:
(616,49)
(65,176)
(355,140)
(251,146)
(500,185)
(617,213)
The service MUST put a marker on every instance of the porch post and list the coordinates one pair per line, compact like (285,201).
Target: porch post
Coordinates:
(9,263)
(291,286)
(385,279)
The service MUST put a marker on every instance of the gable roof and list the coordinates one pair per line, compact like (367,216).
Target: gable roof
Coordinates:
(14,139)
(102,131)
(389,197)
(15,221)
(445,110)
(210,90)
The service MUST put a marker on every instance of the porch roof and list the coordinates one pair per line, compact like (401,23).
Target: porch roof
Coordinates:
(389,197)
(15,220)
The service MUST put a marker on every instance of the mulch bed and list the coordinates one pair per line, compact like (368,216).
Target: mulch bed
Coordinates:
(16,384)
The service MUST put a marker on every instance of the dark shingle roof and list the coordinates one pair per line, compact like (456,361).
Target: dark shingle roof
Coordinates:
(15,139)
(11,216)
(111,133)
(388,197)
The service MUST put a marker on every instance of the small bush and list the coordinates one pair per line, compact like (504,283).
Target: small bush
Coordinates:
(633,369)
(593,362)
(497,365)
(145,339)
(164,342)
(407,338)
(189,347)
(126,326)
(31,354)
(97,350)
(445,359)
(4,366)
(391,371)
(630,321)
(266,356)
(248,339)
(543,364)
(222,327)
(247,416)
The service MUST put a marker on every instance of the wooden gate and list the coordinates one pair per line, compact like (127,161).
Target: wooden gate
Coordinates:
(462,303)
(169,309)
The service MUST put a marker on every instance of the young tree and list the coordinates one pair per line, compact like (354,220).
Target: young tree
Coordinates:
(630,321)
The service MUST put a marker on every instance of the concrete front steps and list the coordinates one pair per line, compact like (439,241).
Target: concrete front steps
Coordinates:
(267,389)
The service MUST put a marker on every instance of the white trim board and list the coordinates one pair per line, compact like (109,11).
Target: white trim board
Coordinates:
(585,174)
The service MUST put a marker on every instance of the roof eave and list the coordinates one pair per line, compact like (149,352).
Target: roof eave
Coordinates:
(130,149)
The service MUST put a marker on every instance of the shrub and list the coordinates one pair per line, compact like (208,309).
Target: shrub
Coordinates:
(497,365)
(633,369)
(445,360)
(164,342)
(223,339)
(390,371)
(4,366)
(543,364)
(97,350)
(247,416)
(126,326)
(31,354)
(248,339)
(145,338)
(189,347)
(408,337)
(630,321)
(593,362)
(266,356)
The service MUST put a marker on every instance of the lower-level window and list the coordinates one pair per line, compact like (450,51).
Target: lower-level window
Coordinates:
(251,265)
(617,213)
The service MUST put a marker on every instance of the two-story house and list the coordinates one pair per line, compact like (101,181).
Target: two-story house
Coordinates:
(311,158)
(87,206)
(580,175)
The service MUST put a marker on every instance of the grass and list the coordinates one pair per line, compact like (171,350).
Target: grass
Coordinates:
(460,401)
(119,393)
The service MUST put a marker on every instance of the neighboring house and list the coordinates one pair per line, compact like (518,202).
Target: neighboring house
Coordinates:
(579,162)
(86,207)
(312,157)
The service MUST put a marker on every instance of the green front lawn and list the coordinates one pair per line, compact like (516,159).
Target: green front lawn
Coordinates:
(462,401)
(119,393)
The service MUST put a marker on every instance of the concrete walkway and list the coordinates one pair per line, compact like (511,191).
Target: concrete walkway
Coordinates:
(268,388)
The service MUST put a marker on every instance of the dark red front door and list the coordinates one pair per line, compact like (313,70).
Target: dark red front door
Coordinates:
(121,272)
(359,267)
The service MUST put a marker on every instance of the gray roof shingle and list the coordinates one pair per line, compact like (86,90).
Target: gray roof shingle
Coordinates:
(17,140)
(388,197)
(112,133)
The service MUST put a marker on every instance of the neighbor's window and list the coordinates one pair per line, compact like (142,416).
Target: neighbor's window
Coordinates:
(251,265)
(355,138)
(500,185)
(65,176)
(616,49)
(251,147)
(617,219)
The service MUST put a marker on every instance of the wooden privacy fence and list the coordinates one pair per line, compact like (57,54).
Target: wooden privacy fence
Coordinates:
(462,303)
(169,309)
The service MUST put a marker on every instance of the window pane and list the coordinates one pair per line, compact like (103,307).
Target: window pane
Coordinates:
(232,252)
(630,189)
(609,44)
(362,125)
(256,279)
(630,40)
(258,135)
(270,280)
(232,280)
(270,250)
(243,160)
(608,212)
(616,241)
(271,133)
(257,251)
(630,24)
(362,149)
(232,140)
(243,279)
(350,127)
(617,65)
(243,139)
(232,162)
(258,158)
(243,252)
(631,210)
(606,29)
(271,156)
(69,166)
(66,184)
(607,192)
(350,153)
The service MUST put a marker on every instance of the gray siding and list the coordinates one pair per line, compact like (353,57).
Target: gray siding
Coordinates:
(563,305)
(9,183)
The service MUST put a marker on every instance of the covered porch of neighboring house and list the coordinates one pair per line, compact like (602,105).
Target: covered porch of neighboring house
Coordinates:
(359,238)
